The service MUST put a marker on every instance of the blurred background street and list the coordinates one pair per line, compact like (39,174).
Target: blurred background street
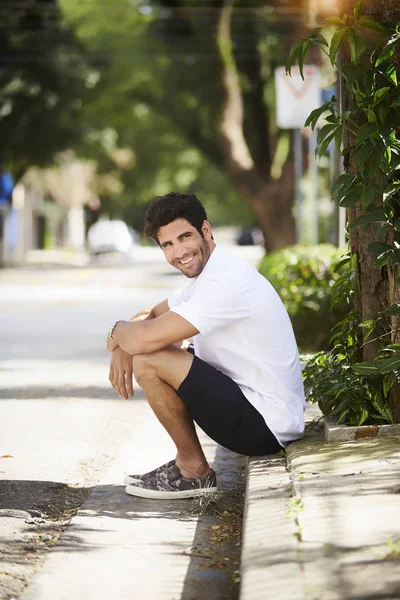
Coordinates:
(61,423)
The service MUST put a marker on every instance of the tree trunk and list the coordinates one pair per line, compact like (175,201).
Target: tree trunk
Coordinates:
(377,288)
(271,200)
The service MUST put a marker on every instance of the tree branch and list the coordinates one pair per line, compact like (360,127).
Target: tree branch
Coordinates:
(231,128)
(257,130)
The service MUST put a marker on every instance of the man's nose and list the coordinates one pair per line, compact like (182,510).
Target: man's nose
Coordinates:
(179,251)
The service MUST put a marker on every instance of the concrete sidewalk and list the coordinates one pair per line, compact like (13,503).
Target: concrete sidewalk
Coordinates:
(321,522)
(328,526)
(120,547)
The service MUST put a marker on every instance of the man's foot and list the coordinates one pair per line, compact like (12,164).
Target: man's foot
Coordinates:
(134,478)
(170,484)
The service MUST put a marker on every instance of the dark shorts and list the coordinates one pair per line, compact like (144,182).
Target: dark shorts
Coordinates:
(219,407)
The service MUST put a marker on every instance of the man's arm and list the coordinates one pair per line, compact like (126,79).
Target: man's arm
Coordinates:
(153,313)
(142,315)
(149,335)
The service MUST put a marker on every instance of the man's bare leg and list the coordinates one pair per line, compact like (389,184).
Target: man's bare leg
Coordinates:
(160,374)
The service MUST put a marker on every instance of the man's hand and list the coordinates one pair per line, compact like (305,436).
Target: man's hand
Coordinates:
(111,344)
(121,373)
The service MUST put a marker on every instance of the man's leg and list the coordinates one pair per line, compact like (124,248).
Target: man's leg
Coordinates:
(160,374)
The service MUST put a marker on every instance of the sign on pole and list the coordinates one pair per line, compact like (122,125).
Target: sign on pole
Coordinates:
(295,98)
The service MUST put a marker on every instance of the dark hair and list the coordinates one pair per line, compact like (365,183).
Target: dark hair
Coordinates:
(165,209)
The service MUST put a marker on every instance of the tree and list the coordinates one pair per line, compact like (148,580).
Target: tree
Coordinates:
(366,50)
(379,286)
(208,70)
(42,80)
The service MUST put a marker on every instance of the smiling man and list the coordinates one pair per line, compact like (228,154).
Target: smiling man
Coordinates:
(242,385)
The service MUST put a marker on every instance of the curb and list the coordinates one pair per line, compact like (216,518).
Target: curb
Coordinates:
(269,566)
(335,433)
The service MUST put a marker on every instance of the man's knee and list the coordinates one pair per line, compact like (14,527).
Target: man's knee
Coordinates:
(146,364)
(141,364)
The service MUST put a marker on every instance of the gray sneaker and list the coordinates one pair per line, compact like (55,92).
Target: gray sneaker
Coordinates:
(134,478)
(170,484)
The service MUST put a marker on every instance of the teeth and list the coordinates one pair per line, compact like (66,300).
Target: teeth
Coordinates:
(185,262)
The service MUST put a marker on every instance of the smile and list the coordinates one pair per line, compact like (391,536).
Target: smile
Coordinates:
(187,261)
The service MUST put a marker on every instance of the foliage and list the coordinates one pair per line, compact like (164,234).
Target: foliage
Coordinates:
(153,96)
(304,277)
(42,81)
(334,380)
(157,78)
(347,387)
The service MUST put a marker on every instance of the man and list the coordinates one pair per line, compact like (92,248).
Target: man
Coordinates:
(242,386)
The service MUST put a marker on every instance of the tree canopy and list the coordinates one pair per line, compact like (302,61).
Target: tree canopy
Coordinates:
(187,88)
(42,81)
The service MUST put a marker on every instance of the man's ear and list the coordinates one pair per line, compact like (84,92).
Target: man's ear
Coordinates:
(206,229)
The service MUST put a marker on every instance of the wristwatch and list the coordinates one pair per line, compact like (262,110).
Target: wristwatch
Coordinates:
(110,333)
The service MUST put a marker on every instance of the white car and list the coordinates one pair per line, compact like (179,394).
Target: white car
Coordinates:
(109,236)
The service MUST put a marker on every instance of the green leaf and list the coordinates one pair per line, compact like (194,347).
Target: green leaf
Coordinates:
(316,37)
(344,181)
(341,263)
(352,196)
(301,57)
(365,368)
(378,248)
(380,94)
(388,364)
(335,21)
(295,49)
(362,155)
(370,327)
(390,257)
(388,50)
(365,131)
(383,230)
(361,44)
(390,73)
(370,194)
(324,131)
(324,145)
(357,44)
(388,381)
(395,102)
(392,311)
(336,42)
(375,216)
(357,9)
(364,416)
(372,24)
(353,72)
(316,114)
(392,347)
(390,191)
(376,159)
(339,137)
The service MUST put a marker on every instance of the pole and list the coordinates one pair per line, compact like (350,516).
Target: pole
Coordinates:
(313,180)
(298,173)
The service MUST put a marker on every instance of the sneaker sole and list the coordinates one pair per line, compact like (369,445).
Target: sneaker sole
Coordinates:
(156,495)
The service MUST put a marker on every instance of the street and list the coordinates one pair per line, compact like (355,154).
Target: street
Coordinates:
(61,423)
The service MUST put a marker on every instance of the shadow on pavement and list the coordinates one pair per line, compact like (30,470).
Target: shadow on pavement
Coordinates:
(213,550)
(33,393)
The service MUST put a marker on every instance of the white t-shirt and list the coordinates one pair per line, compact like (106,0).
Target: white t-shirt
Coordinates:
(245,332)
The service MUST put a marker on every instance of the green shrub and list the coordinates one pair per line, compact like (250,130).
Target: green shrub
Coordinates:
(304,276)
(345,388)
